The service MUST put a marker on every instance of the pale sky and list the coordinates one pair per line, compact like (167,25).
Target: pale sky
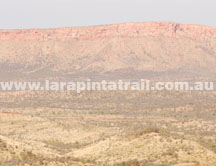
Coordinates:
(25,14)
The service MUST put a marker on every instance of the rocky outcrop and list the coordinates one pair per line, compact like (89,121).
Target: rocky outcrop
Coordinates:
(155,29)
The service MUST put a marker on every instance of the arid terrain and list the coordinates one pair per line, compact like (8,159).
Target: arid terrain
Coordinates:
(111,128)
(129,51)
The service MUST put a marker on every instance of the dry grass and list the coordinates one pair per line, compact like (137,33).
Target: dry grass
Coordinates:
(96,130)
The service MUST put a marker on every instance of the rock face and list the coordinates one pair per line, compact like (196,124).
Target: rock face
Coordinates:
(116,49)
(155,29)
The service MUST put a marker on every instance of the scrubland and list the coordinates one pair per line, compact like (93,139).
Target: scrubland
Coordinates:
(108,128)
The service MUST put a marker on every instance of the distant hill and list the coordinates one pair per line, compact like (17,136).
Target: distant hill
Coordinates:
(132,50)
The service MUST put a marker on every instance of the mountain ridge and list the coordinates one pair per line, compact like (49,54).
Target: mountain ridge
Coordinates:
(121,50)
(120,30)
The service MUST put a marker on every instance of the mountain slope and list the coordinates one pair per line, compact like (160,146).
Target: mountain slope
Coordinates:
(113,50)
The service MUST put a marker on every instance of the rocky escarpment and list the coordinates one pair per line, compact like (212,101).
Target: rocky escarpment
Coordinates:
(122,50)
(155,29)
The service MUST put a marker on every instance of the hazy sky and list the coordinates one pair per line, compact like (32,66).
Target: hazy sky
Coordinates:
(18,14)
